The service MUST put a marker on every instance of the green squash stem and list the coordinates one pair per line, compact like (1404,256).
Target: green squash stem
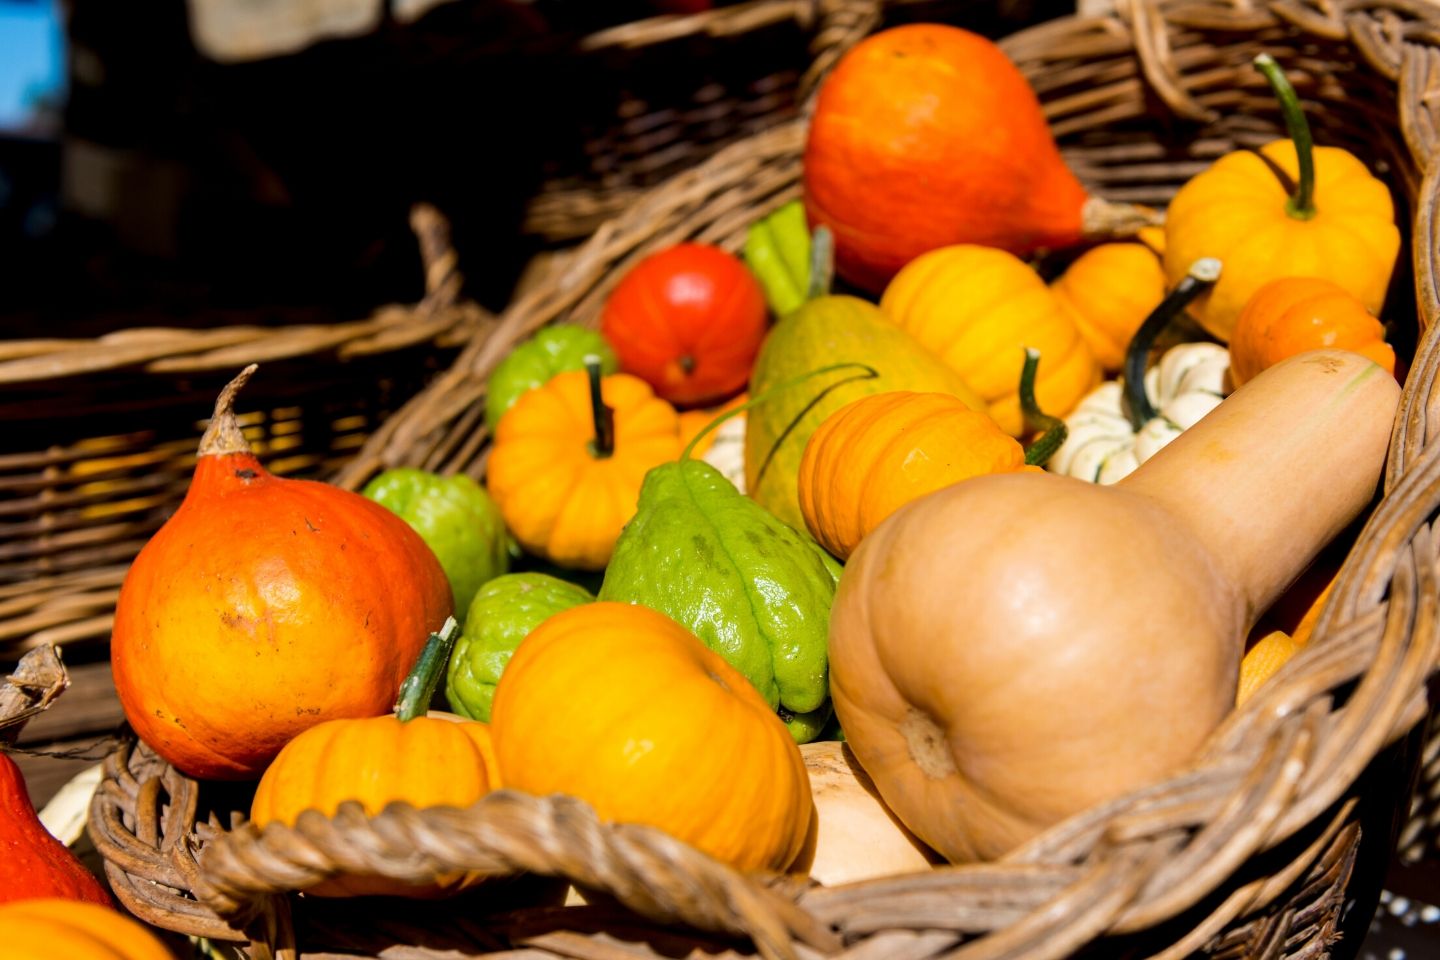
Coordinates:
(604,443)
(1202,275)
(869,373)
(822,264)
(1052,430)
(420,684)
(1301,204)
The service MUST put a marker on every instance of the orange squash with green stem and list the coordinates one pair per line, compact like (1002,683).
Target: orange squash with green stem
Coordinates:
(265,606)
(569,458)
(1293,314)
(1337,222)
(878,453)
(425,761)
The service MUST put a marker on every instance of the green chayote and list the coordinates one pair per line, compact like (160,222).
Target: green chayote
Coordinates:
(502,614)
(553,349)
(456,518)
(753,589)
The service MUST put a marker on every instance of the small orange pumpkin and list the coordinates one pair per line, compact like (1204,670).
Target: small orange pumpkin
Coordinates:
(978,309)
(265,606)
(878,453)
(627,710)
(1109,291)
(1294,314)
(425,761)
(50,928)
(569,459)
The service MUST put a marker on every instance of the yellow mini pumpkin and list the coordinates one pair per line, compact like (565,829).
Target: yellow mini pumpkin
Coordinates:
(978,308)
(1338,223)
(51,928)
(1108,292)
(569,459)
(878,453)
(627,710)
(425,761)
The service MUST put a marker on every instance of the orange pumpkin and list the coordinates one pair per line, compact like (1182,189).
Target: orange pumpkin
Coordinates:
(1291,315)
(627,710)
(425,761)
(569,459)
(978,309)
(265,606)
(48,929)
(924,136)
(1108,292)
(878,453)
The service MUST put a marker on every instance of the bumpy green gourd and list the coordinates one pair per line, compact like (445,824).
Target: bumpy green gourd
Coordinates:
(553,349)
(753,589)
(455,517)
(502,614)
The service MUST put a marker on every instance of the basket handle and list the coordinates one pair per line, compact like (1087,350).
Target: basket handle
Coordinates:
(247,873)
(840,25)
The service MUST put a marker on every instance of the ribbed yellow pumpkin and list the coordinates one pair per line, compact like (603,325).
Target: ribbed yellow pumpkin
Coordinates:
(978,309)
(1108,292)
(52,928)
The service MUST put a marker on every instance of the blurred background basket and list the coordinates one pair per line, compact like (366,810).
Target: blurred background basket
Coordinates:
(1273,844)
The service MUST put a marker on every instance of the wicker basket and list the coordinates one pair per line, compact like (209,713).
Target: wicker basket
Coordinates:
(100,435)
(1270,844)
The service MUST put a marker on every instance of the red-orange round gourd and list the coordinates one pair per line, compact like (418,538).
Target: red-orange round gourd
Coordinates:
(627,710)
(49,929)
(265,606)
(1294,314)
(35,863)
(687,320)
(925,136)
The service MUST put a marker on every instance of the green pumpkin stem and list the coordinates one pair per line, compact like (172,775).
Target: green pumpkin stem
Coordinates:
(822,264)
(1301,204)
(1052,430)
(604,443)
(870,373)
(1202,275)
(419,685)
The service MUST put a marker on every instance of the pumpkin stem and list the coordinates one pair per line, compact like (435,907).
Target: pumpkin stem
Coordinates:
(1301,204)
(1052,430)
(822,264)
(604,443)
(870,374)
(777,251)
(223,435)
(1202,275)
(418,688)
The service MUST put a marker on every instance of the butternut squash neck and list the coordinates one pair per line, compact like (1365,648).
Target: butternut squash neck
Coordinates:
(1277,470)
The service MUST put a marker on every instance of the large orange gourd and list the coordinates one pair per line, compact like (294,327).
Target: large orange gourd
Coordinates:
(927,135)
(265,606)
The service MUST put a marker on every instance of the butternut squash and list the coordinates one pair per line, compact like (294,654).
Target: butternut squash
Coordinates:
(1011,650)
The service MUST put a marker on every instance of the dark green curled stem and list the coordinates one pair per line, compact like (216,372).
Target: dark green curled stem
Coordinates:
(1301,204)
(604,443)
(870,373)
(1052,430)
(1202,275)
(420,684)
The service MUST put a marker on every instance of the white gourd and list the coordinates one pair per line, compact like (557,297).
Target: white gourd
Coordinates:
(1103,446)
(727,452)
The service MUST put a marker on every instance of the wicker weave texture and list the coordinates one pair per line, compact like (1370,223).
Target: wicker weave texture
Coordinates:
(1252,851)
